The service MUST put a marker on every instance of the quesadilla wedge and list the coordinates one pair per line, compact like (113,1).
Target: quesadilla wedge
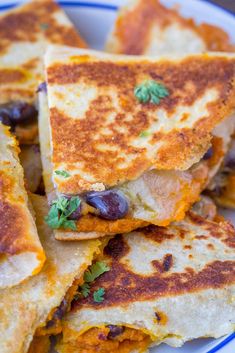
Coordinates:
(147,27)
(21,254)
(34,308)
(25,33)
(166,285)
(122,163)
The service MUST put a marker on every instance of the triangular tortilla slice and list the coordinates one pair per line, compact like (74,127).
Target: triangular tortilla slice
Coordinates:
(21,254)
(166,285)
(147,27)
(30,308)
(102,137)
(25,32)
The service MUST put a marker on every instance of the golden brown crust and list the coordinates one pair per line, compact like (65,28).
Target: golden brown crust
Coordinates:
(15,224)
(123,285)
(188,80)
(133,28)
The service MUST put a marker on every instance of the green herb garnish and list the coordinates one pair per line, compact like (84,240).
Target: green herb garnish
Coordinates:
(44,26)
(98,295)
(145,134)
(59,212)
(62,173)
(96,270)
(150,91)
(85,289)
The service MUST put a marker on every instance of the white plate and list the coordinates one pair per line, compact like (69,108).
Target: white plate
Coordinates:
(94,19)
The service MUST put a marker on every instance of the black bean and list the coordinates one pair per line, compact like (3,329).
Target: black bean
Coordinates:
(5,119)
(114,331)
(22,112)
(110,204)
(208,154)
(19,112)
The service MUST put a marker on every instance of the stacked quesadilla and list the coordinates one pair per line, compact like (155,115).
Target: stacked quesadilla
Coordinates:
(147,27)
(21,254)
(128,144)
(126,138)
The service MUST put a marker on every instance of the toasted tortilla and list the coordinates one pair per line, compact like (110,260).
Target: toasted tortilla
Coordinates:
(21,253)
(147,27)
(25,33)
(95,134)
(164,285)
(28,306)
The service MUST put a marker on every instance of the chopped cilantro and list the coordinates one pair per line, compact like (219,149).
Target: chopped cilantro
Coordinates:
(44,26)
(62,173)
(96,270)
(145,134)
(98,295)
(85,289)
(59,212)
(150,91)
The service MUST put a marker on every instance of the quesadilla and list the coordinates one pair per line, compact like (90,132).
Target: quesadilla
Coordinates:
(21,254)
(114,162)
(25,33)
(34,308)
(166,285)
(147,27)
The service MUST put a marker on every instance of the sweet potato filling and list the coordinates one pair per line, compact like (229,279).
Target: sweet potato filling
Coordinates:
(103,340)
(53,323)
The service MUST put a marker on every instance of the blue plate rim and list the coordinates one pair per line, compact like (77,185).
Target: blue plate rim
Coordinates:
(103,6)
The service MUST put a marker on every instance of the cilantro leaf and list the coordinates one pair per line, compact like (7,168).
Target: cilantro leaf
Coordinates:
(59,212)
(98,295)
(150,91)
(145,134)
(62,173)
(85,289)
(96,270)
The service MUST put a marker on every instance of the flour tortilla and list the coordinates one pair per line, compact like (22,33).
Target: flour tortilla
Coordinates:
(21,253)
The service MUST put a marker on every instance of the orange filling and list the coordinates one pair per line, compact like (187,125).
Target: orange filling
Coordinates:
(96,340)
(40,345)
(53,323)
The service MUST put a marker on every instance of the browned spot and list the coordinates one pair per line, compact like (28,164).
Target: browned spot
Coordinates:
(161,318)
(116,247)
(27,22)
(187,247)
(190,256)
(133,28)
(14,226)
(165,264)
(210,247)
(84,134)
(11,76)
(201,237)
